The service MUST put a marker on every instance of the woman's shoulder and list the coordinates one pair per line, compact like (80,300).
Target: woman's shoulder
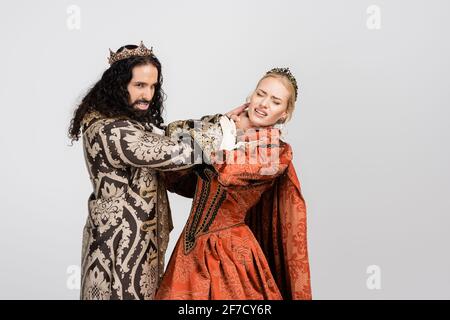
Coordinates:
(285,145)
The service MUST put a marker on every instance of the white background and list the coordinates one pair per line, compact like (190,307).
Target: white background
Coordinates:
(370,133)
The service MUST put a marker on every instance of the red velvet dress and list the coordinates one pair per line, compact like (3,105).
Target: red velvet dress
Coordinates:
(246,234)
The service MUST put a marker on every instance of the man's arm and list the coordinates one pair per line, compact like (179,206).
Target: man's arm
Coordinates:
(126,143)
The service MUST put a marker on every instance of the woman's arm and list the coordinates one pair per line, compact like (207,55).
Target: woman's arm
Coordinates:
(254,160)
(181,182)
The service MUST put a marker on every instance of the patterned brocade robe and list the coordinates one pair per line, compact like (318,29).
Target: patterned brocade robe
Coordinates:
(127,228)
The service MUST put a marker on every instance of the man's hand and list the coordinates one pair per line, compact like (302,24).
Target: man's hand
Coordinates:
(242,121)
(234,114)
(239,116)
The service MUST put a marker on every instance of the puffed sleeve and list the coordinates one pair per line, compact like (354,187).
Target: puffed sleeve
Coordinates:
(253,162)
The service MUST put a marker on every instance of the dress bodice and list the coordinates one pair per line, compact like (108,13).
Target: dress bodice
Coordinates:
(217,207)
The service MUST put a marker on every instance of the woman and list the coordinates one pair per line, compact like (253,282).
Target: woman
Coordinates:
(246,234)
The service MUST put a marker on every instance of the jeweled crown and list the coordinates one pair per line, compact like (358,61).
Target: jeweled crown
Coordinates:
(287,73)
(140,51)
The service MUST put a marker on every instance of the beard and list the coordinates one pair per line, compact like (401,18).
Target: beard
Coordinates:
(140,114)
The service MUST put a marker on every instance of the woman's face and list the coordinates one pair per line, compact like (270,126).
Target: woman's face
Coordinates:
(268,103)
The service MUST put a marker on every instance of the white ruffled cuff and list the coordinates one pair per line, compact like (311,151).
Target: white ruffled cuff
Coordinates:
(228,133)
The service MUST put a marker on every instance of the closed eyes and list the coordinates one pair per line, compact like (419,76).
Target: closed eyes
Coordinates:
(262,93)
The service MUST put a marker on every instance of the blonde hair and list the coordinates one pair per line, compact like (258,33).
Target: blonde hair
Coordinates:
(288,84)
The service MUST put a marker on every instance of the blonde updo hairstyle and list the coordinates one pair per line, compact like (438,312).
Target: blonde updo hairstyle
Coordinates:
(289,85)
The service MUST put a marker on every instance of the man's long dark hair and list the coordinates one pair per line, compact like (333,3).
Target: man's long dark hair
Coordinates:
(110,97)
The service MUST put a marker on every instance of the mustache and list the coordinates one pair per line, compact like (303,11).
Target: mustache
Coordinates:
(141,101)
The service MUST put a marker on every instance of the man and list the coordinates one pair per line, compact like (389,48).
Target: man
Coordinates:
(127,229)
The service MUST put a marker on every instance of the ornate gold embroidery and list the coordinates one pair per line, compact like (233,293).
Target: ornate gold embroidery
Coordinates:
(206,203)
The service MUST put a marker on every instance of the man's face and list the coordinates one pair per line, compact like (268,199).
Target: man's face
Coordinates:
(142,86)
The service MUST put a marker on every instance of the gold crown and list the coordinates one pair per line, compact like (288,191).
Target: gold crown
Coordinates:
(140,51)
(287,73)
